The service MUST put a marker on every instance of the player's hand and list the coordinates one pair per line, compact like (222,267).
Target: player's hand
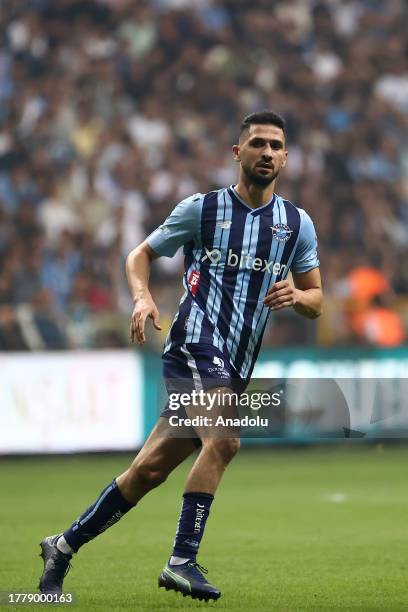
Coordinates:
(281,295)
(144,308)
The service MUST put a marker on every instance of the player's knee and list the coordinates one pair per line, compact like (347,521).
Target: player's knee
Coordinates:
(233,446)
(223,449)
(148,477)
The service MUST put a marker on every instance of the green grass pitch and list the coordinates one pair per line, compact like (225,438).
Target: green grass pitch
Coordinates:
(308,529)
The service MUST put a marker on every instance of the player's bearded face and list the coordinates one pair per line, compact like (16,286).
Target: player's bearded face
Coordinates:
(255,174)
(261,153)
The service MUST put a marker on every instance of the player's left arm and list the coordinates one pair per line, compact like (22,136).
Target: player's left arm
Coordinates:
(306,296)
(308,293)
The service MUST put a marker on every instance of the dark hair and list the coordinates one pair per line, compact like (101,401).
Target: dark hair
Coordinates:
(263,118)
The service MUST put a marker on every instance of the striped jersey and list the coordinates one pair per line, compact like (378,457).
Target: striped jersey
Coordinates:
(233,254)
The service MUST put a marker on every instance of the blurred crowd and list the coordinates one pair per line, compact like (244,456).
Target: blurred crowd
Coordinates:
(111,111)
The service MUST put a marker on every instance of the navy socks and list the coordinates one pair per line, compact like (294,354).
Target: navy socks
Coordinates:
(110,506)
(190,530)
(107,510)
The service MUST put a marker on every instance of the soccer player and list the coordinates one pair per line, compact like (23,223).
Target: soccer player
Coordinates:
(240,243)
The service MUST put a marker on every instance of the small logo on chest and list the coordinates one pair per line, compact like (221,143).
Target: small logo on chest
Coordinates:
(281,232)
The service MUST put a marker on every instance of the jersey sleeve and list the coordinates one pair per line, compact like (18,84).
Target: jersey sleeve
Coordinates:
(181,226)
(305,258)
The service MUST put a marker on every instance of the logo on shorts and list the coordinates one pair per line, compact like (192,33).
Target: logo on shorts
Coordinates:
(219,367)
(218,361)
(281,232)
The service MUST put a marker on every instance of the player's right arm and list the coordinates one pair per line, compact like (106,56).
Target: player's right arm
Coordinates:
(180,227)
(138,264)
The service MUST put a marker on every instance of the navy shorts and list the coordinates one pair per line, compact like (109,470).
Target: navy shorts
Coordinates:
(198,366)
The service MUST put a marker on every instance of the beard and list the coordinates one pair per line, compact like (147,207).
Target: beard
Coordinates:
(259,180)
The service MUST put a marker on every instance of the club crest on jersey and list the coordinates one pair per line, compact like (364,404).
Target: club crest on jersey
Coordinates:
(281,232)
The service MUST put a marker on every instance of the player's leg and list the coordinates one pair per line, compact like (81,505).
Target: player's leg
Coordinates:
(158,457)
(219,446)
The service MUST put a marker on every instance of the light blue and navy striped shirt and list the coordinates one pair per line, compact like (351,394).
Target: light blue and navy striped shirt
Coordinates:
(233,255)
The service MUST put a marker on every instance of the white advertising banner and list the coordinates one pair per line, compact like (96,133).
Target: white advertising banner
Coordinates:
(70,401)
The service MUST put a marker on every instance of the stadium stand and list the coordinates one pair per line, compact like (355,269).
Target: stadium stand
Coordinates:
(111,111)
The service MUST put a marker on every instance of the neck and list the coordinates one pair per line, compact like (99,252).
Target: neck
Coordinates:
(254,195)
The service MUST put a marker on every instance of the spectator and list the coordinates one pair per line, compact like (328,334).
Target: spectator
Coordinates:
(379,325)
(11,336)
